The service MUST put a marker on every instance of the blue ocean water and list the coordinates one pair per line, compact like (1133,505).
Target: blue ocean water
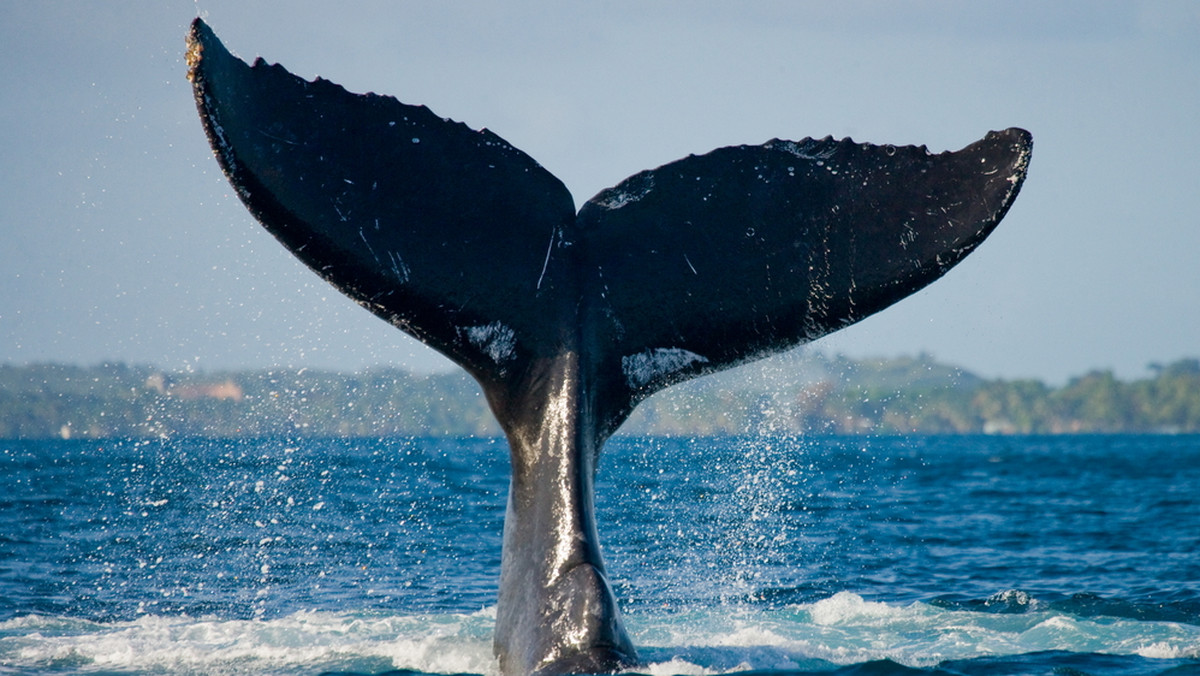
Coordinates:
(938,555)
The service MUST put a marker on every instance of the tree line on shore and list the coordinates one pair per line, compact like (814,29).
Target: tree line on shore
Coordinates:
(801,393)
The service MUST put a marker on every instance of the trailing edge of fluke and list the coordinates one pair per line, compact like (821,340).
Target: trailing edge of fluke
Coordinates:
(566,319)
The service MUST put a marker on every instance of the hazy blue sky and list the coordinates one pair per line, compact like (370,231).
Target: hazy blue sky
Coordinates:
(123,241)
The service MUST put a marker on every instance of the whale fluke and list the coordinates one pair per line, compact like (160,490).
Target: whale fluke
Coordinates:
(566,319)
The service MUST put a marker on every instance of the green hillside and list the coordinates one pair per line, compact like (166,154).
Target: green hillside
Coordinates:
(806,393)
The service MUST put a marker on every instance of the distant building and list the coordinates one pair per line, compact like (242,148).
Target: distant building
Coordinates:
(227,390)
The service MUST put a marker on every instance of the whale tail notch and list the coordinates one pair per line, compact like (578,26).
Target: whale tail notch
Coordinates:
(567,319)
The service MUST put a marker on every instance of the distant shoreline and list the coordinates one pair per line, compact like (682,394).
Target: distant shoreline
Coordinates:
(813,394)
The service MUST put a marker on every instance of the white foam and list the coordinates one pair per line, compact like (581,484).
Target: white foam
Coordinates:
(847,608)
(305,641)
(843,629)
(848,629)
(1162,650)
(675,667)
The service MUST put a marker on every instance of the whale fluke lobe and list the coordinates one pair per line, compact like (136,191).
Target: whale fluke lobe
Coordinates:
(566,319)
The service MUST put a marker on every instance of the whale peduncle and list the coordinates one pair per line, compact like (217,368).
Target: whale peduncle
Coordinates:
(556,612)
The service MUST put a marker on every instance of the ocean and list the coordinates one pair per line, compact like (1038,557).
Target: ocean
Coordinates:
(831,555)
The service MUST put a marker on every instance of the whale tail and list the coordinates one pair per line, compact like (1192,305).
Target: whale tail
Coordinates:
(566,319)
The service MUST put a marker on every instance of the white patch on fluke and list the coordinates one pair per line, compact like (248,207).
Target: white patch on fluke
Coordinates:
(495,340)
(808,149)
(645,367)
(630,191)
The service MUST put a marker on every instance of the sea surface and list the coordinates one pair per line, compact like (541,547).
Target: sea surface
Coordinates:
(923,555)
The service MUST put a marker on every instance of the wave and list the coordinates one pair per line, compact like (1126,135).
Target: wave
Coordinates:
(303,641)
(839,633)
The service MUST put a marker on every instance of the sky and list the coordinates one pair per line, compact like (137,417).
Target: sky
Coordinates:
(120,239)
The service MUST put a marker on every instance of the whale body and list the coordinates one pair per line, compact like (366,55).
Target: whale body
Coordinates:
(569,319)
